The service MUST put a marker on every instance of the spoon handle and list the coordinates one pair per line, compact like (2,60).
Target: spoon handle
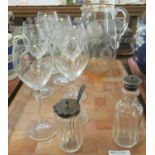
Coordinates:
(82,88)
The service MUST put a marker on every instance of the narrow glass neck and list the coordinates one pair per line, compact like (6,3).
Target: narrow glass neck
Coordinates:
(130,97)
(131,93)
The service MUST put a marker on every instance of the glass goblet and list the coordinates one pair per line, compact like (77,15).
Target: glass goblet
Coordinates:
(62,21)
(31,28)
(33,67)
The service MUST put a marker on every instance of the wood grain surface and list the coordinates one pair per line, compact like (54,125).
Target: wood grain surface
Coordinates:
(102,93)
(73,10)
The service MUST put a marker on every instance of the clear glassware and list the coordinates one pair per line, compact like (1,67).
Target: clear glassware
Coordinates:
(46,23)
(71,58)
(49,25)
(68,122)
(33,63)
(104,34)
(62,21)
(128,112)
(31,27)
(71,51)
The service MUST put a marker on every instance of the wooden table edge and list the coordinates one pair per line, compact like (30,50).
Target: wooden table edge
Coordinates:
(15,88)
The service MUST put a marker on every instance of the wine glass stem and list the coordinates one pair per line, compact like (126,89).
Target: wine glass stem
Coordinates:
(39,102)
(73,88)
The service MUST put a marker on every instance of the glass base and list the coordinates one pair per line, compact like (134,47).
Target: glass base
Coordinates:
(71,150)
(84,116)
(125,145)
(45,92)
(41,130)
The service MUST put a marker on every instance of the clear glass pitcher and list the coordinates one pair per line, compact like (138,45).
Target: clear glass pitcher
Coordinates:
(105,25)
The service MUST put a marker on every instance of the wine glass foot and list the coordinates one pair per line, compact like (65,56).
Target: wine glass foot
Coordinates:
(41,130)
(84,116)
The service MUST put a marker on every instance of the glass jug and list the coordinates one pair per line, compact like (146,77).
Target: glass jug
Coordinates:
(128,112)
(69,126)
(104,30)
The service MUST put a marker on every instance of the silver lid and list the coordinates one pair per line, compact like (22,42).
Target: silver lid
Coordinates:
(67,108)
(131,82)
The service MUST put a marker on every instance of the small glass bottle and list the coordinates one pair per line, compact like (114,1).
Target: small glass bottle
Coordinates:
(128,112)
(69,126)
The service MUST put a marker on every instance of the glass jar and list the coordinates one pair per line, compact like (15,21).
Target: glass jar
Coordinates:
(128,112)
(69,126)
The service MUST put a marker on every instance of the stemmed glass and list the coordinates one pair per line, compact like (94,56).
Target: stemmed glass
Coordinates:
(71,56)
(33,61)
(62,21)
(30,27)
(49,25)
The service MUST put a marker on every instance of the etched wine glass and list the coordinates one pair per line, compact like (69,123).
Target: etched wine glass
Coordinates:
(33,61)
(62,21)
(30,27)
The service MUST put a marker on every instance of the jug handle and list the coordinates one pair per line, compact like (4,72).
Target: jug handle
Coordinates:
(85,12)
(20,37)
(15,41)
(126,17)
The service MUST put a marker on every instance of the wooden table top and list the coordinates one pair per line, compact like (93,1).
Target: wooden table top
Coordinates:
(102,93)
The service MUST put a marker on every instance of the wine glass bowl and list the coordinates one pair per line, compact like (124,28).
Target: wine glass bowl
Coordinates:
(71,56)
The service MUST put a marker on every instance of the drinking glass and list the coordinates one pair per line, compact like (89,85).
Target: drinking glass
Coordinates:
(47,23)
(32,27)
(32,62)
(62,21)
(71,56)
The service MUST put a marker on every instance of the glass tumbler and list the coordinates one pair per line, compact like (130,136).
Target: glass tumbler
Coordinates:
(69,125)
